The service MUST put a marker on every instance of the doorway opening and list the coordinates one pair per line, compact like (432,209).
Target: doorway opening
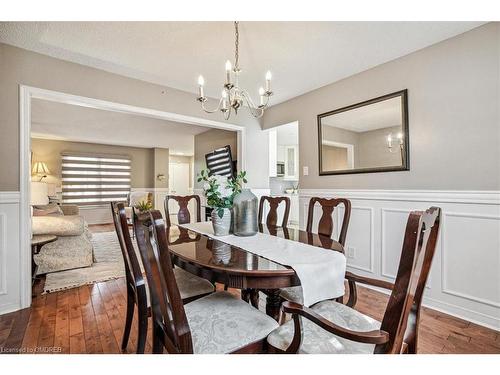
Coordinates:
(31,98)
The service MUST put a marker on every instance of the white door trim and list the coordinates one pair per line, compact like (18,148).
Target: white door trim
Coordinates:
(26,94)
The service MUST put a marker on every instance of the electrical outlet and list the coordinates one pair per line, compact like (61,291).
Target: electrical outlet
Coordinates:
(305,171)
(351,252)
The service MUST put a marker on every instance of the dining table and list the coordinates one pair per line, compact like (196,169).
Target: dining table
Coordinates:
(235,267)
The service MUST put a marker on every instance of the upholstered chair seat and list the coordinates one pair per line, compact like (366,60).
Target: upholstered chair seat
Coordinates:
(292,294)
(191,285)
(316,340)
(222,323)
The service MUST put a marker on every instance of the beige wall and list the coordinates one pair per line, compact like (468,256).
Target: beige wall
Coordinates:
(211,140)
(49,151)
(161,161)
(18,66)
(373,151)
(453,98)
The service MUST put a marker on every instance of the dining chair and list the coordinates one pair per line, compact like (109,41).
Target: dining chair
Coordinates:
(325,231)
(331,327)
(183,215)
(136,289)
(191,286)
(272,216)
(218,323)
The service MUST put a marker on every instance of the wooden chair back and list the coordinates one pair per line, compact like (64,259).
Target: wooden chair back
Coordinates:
(170,321)
(272,216)
(183,215)
(403,309)
(325,225)
(133,273)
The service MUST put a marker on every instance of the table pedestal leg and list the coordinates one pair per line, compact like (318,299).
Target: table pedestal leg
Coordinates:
(254,298)
(251,296)
(273,303)
(245,295)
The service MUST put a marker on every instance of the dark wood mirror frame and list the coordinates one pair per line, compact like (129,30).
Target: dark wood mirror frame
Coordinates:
(405,129)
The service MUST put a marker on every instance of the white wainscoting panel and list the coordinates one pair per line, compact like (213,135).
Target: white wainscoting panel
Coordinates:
(3,253)
(471,268)
(465,275)
(10,292)
(393,225)
(362,245)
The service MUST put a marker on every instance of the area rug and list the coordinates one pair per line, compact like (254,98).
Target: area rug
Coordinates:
(108,265)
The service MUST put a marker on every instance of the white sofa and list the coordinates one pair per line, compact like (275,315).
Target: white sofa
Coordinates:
(72,249)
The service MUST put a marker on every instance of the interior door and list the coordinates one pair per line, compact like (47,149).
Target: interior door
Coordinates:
(178,184)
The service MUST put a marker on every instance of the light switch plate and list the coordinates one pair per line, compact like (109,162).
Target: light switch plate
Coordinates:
(305,171)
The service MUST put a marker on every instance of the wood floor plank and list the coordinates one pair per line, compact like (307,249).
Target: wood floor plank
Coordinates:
(18,329)
(108,341)
(90,331)
(121,302)
(61,338)
(32,333)
(131,348)
(76,336)
(113,314)
(48,326)
(5,327)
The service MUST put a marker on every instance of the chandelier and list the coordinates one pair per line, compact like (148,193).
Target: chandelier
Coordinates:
(234,97)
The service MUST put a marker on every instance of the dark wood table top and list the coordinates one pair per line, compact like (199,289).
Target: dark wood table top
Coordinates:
(201,250)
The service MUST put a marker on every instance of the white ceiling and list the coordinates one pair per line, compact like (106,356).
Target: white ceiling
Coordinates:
(81,124)
(301,55)
(378,115)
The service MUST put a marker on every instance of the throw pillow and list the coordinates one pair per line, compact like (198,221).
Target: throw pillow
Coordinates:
(51,209)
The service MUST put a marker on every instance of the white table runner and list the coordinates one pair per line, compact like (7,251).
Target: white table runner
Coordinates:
(321,272)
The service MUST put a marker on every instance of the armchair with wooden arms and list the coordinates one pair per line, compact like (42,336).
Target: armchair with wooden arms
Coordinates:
(334,328)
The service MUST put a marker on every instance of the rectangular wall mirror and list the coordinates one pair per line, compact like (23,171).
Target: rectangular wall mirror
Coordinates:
(371,136)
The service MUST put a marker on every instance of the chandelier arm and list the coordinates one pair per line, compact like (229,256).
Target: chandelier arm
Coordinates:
(211,110)
(227,113)
(249,98)
(254,110)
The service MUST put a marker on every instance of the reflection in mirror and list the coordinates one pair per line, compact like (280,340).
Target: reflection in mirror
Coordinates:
(367,137)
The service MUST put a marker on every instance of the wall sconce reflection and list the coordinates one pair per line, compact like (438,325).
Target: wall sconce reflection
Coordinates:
(390,145)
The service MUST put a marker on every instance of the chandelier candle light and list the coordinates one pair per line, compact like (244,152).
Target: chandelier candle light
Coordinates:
(233,97)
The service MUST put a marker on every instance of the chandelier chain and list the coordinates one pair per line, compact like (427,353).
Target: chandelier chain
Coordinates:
(236,46)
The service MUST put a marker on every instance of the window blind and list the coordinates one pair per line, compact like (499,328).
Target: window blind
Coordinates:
(94,180)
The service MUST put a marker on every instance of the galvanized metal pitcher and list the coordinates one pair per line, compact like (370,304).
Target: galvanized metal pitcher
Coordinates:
(245,214)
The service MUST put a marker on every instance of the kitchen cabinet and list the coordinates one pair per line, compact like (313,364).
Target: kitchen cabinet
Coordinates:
(287,154)
(291,163)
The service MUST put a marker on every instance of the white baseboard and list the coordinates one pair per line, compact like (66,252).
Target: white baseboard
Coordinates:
(448,309)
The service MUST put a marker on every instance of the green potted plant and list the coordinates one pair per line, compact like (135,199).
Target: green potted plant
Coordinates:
(219,196)
(144,206)
(220,192)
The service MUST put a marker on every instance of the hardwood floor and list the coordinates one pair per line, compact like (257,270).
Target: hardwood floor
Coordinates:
(90,319)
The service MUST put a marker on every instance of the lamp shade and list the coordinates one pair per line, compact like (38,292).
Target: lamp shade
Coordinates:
(39,193)
(40,168)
